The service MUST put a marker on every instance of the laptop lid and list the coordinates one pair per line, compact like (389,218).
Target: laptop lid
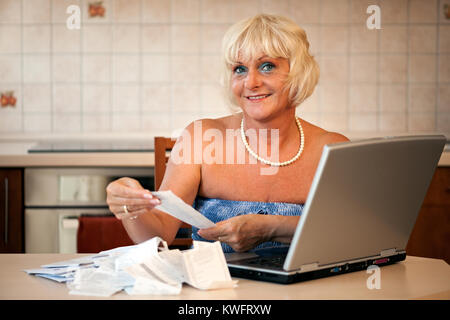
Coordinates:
(364,199)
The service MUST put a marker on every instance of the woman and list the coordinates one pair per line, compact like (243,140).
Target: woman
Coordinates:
(268,73)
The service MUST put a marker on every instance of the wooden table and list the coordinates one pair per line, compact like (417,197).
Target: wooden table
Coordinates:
(414,278)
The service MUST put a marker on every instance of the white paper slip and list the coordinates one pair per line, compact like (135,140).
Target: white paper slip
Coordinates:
(179,209)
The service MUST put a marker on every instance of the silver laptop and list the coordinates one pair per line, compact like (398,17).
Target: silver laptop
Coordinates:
(360,211)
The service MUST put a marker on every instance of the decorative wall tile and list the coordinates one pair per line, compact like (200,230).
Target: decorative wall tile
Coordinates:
(103,16)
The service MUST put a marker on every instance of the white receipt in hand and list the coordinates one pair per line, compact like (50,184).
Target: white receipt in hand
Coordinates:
(177,208)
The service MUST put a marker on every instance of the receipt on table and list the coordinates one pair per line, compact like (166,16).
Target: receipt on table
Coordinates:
(146,268)
(206,268)
(177,208)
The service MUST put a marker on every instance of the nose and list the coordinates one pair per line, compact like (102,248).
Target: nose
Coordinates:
(253,79)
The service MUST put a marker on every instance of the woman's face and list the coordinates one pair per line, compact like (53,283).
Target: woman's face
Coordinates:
(258,86)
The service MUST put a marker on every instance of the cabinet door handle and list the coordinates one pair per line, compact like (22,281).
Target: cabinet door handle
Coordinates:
(6,210)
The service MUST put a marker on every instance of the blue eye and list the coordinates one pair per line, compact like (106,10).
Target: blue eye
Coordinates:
(267,67)
(240,69)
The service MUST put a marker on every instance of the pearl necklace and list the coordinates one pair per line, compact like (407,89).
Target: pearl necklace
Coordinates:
(275,164)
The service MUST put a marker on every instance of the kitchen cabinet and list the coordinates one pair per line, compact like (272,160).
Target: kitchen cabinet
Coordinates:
(11,210)
(431,234)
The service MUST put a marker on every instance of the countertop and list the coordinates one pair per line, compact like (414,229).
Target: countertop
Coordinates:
(15,154)
(414,278)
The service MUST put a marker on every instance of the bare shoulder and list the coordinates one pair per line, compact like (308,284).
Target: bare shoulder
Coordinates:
(221,123)
(322,136)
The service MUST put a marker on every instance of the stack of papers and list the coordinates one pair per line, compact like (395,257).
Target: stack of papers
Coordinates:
(147,268)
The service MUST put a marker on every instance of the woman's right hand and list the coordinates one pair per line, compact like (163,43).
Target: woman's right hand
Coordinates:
(129,192)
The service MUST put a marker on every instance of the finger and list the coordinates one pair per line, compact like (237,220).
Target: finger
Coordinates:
(130,209)
(131,214)
(121,201)
(214,233)
(127,192)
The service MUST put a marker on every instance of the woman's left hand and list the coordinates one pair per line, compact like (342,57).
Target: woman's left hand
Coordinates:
(242,233)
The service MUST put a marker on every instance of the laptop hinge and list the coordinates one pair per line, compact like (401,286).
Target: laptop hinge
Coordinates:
(309,267)
(388,252)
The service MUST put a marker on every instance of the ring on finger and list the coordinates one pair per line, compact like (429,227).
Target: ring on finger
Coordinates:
(125,209)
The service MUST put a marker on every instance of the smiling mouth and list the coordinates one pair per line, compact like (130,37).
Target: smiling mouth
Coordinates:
(258,98)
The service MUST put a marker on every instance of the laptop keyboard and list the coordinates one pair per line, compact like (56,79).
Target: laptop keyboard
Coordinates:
(269,262)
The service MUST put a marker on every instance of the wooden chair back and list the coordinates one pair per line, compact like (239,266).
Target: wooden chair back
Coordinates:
(163,146)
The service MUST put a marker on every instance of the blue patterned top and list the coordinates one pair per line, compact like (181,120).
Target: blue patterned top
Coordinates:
(217,210)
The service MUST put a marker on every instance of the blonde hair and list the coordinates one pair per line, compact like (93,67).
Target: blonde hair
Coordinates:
(278,37)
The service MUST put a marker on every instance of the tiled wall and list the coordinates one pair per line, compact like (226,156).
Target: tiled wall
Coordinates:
(151,66)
